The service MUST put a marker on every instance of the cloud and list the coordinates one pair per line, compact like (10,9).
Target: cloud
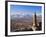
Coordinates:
(23,13)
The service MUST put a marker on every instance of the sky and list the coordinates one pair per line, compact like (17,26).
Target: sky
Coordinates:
(25,10)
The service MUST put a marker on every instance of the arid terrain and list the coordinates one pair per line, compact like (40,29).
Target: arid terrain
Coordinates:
(24,23)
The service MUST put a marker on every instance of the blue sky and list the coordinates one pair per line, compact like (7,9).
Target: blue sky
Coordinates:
(24,10)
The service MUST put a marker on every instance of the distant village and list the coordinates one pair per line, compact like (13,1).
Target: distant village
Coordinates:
(23,26)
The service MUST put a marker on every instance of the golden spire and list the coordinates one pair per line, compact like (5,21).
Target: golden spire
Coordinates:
(34,19)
